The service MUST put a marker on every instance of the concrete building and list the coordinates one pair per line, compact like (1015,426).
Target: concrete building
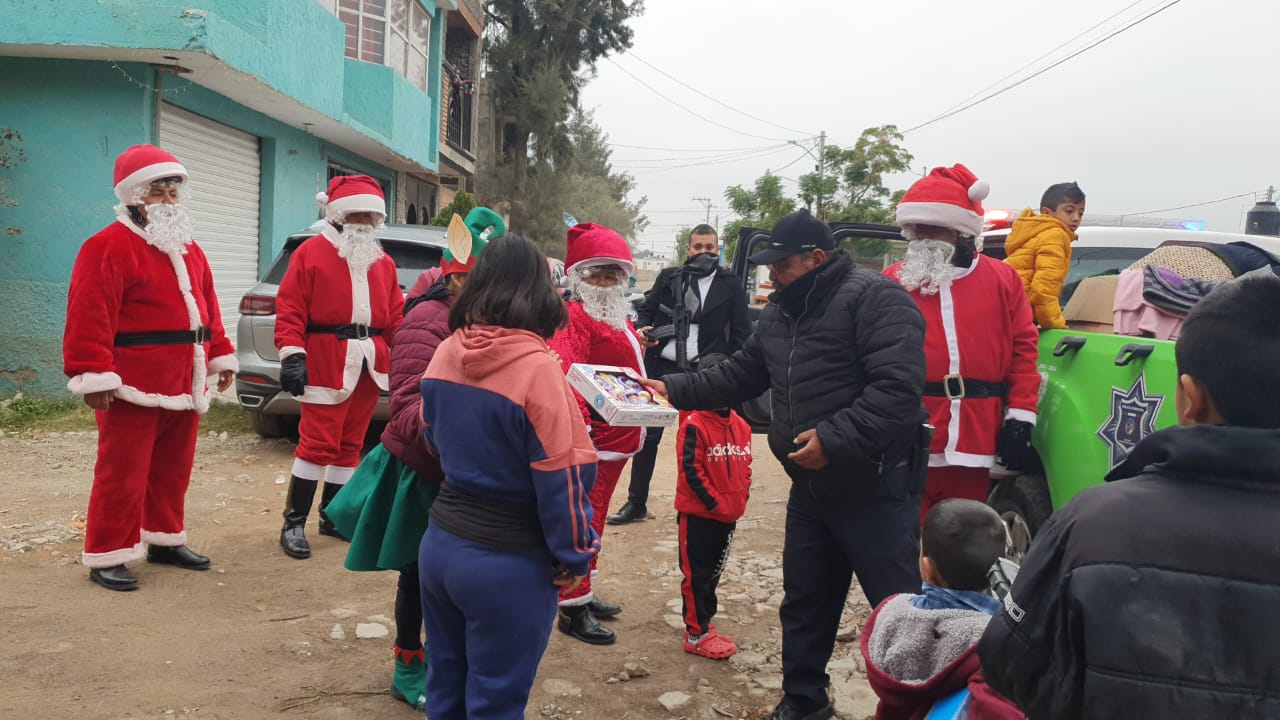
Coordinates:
(263,101)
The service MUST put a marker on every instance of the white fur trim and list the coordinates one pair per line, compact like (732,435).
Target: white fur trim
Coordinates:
(979,191)
(307,470)
(144,176)
(611,456)
(945,215)
(131,394)
(86,383)
(160,539)
(357,203)
(959,459)
(337,475)
(579,601)
(112,558)
(224,362)
(288,350)
(594,261)
(1021,415)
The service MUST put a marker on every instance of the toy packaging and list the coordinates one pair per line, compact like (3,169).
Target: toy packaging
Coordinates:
(617,395)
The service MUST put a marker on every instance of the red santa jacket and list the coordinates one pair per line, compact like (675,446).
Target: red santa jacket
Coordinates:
(320,288)
(121,284)
(714,477)
(979,327)
(587,340)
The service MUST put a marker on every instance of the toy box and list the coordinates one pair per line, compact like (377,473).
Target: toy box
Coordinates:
(617,395)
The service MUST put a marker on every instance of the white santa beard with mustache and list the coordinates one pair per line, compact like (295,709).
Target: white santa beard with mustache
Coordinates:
(607,304)
(168,228)
(359,246)
(927,267)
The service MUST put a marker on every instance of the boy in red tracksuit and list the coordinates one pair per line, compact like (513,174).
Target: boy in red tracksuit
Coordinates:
(714,450)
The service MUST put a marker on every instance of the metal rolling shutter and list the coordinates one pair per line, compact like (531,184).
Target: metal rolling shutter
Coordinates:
(224,165)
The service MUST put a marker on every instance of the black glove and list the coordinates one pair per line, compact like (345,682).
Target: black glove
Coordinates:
(1013,445)
(293,374)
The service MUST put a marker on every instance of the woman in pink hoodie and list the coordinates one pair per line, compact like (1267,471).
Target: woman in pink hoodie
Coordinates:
(512,522)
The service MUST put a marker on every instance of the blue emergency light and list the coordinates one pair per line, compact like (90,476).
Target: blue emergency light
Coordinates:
(1193,225)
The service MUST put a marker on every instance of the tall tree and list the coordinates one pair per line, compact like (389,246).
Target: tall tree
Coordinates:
(760,206)
(852,186)
(539,54)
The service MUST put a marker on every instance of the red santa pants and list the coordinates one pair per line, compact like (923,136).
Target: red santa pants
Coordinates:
(607,474)
(332,435)
(139,482)
(954,481)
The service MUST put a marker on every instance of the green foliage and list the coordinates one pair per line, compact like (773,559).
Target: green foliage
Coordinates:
(760,206)
(461,205)
(853,188)
(682,242)
(21,414)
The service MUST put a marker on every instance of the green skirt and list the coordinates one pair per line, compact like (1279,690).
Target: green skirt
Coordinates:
(383,509)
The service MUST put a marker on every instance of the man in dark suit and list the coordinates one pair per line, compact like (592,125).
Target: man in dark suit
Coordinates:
(717,311)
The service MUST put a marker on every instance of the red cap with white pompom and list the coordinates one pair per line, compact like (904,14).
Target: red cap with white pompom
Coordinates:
(352,194)
(949,197)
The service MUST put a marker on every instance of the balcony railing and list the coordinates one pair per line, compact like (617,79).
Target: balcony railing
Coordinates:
(459,109)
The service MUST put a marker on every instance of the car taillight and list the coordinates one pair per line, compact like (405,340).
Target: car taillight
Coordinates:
(258,305)
(997,220)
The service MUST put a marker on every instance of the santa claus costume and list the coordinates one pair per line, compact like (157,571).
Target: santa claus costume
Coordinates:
(981,381)
(600,332)
(143,324)
(336,312)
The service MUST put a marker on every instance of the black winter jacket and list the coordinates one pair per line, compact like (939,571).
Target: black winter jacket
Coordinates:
(842,350)
(723,327)
(1156,595)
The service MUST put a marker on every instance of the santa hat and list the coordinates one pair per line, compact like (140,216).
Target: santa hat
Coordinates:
(591,245)
(949,197)
(141,165)
(352,194)
(467,239)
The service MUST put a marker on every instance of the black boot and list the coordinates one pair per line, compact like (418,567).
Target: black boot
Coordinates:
(326,525)
(628,513)
(578,622)
(297,506)
(116,577)
(604,610)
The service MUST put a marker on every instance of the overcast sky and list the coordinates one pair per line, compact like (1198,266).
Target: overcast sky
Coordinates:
(1180,109)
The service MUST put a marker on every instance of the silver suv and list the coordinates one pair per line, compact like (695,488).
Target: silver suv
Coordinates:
(272,411)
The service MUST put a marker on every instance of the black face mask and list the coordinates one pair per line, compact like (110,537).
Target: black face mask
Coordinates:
(966,250)
(702,264)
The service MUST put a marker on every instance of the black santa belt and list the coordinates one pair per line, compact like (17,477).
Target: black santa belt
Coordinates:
(954,387)
(354,331)
(168,337)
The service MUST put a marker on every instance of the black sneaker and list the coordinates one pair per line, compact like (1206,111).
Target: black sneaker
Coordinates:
(629,513)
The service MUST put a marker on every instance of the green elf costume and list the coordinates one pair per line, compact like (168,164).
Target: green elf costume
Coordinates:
(384,507)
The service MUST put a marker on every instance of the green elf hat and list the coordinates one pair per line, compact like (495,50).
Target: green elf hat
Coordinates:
(467,238)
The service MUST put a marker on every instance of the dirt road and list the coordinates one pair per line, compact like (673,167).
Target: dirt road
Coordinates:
(265,636)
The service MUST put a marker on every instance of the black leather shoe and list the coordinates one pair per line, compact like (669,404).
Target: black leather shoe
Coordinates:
(294,543)
(117,577)
(182,556)
(578,622)
(603,610)
(628,513)
(326,526)
(787,712)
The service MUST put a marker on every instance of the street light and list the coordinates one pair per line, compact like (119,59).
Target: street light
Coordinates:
(822,146)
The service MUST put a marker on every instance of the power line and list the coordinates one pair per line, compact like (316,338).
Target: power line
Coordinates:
(671,149)
(692,157)
(1193,205)
(1042,57)
(691,112)
(784,167)
(1042,71)
(756,156)
(708,97)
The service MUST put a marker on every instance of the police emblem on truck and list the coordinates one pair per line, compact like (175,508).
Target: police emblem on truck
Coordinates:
(1133,417)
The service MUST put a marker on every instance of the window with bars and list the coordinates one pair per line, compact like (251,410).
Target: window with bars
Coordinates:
(396,33)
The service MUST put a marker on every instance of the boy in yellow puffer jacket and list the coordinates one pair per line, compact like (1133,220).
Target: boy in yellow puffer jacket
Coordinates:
(1039,248)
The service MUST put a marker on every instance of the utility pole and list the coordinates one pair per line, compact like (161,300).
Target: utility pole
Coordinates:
(822,146)
(706,202)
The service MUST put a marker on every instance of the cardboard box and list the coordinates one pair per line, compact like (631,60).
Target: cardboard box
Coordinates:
(617,395)
(1094,301)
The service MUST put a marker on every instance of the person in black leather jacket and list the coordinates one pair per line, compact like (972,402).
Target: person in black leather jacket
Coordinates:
(842,349)
(1154,595)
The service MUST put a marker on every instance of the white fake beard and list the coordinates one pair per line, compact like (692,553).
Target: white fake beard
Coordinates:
(927,267)
(607,304)
(169,228)
(359,246)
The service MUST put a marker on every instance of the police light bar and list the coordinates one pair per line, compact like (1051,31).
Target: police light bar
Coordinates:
(997,220)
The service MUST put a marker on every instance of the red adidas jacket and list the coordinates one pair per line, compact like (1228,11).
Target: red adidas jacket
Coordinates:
(715,465)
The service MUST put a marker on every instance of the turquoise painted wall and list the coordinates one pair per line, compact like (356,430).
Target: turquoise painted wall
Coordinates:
(292,46)
(74,118)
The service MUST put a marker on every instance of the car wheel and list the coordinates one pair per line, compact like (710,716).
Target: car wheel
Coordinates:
(268,426)
(1024,504)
